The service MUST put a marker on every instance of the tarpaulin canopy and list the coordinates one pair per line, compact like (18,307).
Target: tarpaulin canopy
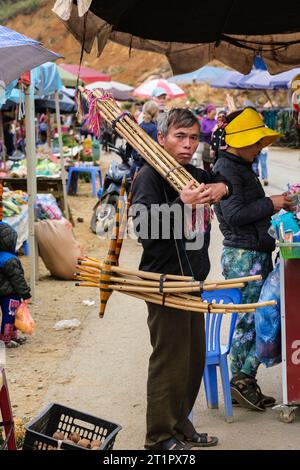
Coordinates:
(284,79)
(227,81)
(86,74)
(45,80)
(206,74)
(18,54)
(66,104)
(68,79)
(195,33)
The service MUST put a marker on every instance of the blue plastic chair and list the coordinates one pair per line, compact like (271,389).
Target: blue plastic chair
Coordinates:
(93,170)
(216,353)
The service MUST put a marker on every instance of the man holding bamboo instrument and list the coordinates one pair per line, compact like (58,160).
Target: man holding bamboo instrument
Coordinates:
(177,337)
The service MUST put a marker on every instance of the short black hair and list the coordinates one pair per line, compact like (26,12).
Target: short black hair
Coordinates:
(177,117)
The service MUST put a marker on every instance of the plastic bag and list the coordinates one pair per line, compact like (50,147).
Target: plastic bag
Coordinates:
(64,324)
(268,321)
(23,319)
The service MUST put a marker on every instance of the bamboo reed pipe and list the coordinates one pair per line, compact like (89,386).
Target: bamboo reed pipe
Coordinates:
(168,303)
(140,282)
(86,284)
(156,276)
(132,288)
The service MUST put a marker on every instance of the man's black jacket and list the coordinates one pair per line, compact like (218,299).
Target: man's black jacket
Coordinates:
(244,217)
(12,279)
(163,255)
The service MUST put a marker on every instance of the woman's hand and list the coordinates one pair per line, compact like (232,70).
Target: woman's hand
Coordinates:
(282,201)
(199,195)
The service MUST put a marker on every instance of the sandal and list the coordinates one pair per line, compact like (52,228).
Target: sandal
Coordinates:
(11,344)
(173,444)
(246,392)
(202,440)
(20,340)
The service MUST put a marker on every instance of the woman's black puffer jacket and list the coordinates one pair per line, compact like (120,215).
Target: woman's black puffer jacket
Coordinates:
(244,217)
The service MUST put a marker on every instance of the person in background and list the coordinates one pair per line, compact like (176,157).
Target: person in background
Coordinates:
(9,138)
(149,125)
(218,135)
(262,160)
(245,218)
(207,126)
(159,95)
(13,286)
(43,127)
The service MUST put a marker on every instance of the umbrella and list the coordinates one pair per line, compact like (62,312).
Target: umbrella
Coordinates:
(18,54)
(86,74)
(66,104)
(206,74)
(192,36)
(120,91)
(145,89)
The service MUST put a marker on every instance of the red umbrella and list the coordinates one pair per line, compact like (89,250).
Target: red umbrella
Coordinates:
(86,74)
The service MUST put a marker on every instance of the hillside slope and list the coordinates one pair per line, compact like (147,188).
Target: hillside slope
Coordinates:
(44,26)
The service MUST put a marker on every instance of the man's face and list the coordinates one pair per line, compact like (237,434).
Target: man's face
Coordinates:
(181,142)
(161,100)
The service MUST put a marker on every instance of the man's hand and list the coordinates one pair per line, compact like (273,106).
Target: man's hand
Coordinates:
(218,190)
(200,195)
(282,201)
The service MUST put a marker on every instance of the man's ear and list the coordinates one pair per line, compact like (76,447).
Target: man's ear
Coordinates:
(160,138)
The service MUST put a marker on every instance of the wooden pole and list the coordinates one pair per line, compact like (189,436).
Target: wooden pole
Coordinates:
(31,182)
(62,166)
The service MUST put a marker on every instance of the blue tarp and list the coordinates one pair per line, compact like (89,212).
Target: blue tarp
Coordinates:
(226,82)
(284,79)
(257,80)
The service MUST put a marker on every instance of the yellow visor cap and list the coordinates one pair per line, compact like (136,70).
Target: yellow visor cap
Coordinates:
(247,129)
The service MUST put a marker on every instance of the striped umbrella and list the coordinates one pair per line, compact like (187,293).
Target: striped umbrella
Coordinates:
(146,89)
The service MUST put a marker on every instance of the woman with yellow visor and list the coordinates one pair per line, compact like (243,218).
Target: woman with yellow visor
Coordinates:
(244,220)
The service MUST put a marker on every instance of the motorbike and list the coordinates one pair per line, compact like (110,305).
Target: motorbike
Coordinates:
(104,211)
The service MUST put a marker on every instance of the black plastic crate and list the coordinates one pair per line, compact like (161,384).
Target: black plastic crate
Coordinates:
(61,418)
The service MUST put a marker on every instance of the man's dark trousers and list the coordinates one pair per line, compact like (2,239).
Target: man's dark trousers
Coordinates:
(175,372)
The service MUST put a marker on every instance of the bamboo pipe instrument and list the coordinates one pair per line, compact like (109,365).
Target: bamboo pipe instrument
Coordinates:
(183,306)
(156,276)
(166,165)
(111,258)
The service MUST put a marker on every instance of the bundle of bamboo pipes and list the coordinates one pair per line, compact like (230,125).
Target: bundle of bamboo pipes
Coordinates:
(169,290)
(151,151)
